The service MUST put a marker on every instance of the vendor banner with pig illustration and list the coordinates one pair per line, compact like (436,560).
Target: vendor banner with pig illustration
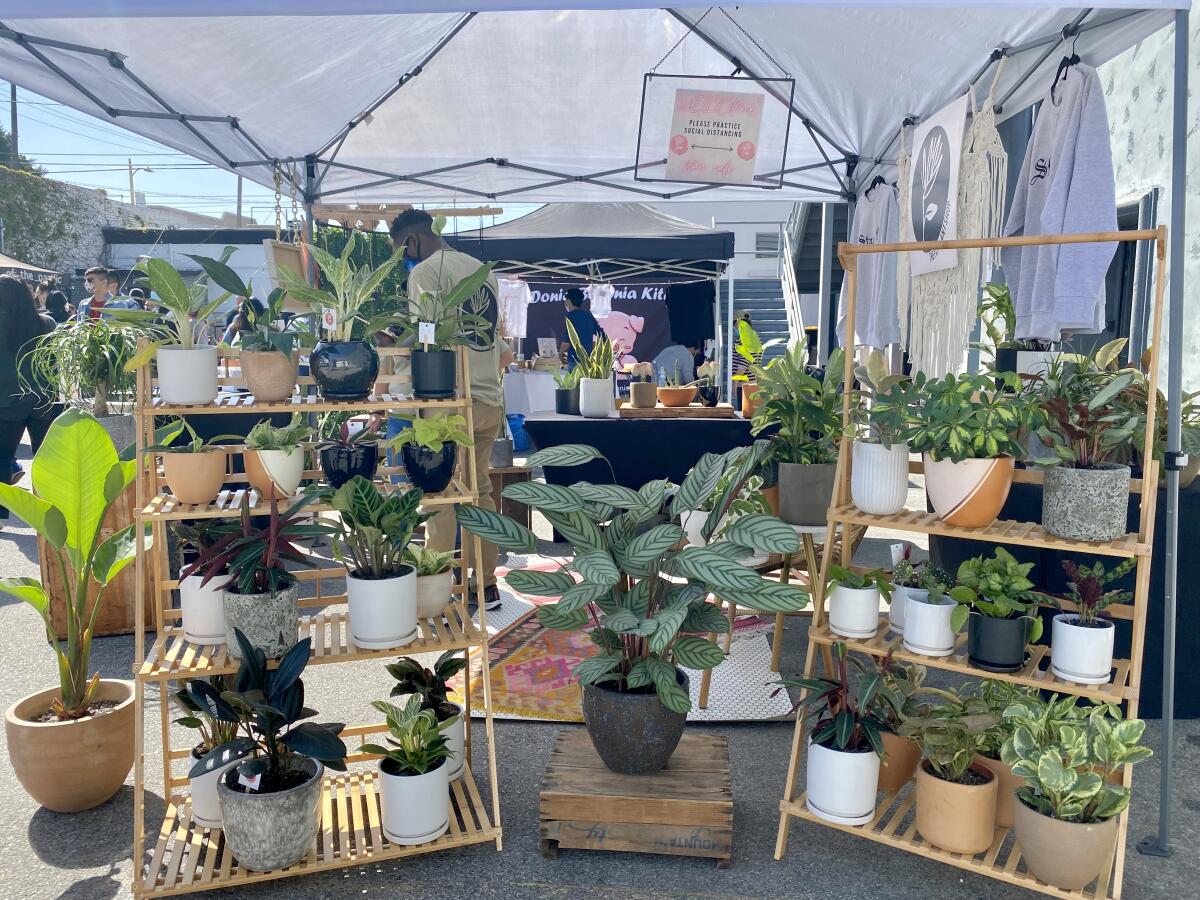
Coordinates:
(638,323)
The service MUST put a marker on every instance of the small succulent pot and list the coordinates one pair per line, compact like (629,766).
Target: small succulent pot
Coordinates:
(710,394)
(749,400)
(927,628)
(840,785)
(344,370)
(595,397)
(270,375)
(383,611)
(957,818)
(416,808)
(206,804)
(879,478)
(203,610)
(1067,855)
(187,377)
(430,470)
(342,462)
(1082,653)
(1086,504)
(433,594)
(632,731)
(275,474)
(854,612)
(196,478)
(271,831)
(434,376)
(1006,791)
(969,493)
(676,396)
(269,621)
(997,645)
(899,605)
(566,401)
(805,492)
(902,756)
(643,394)
(456,740)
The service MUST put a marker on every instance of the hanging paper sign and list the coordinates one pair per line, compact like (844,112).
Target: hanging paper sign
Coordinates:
(714,136)
(933,186)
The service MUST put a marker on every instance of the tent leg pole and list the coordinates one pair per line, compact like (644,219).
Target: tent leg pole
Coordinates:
(1160,844)
(307,226)
(825,285)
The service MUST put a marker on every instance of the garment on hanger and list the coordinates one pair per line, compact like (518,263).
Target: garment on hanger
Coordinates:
(514,306)
(601,296)
(876,221)
(1066,185)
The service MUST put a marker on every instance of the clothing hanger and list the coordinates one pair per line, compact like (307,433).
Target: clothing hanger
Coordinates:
(1066,63)
(875,182)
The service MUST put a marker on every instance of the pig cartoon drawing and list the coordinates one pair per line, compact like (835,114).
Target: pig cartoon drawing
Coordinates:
(622,329)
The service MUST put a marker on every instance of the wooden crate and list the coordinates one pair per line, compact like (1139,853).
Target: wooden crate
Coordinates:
(501,478)
(684,810)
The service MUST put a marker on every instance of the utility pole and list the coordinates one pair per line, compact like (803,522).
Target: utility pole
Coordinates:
(132,195)
(239,202)
(12,106)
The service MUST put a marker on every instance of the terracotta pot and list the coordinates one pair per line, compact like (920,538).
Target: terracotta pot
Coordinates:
(902,758)
(749,401)
(270,374)
(969,493)
(643,394)
(958,818)
(1006,788)
(1067,855)
(196,478)
(676,396)
(72,766)
(771,495)
(274,473)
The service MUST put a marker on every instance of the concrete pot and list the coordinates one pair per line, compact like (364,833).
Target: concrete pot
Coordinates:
(72,766)
(854,612)
(206,805)
(416,808)
(879,478)
(187,377)
(633,733)
(1081,654)
(1006,790)
(676,396)
(1067,855)
(269,621)
(274,473)
(595,397)
(969,493)
(203,609)
(841,786)
(383,611)
(271,831)
(997,645)
(1086,504)
(433,594)
(643,394)
(805,492)
(958,818)
(902,758)
(927,628)
(269,374)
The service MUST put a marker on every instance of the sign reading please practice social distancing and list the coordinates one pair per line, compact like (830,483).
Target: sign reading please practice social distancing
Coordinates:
(714,136)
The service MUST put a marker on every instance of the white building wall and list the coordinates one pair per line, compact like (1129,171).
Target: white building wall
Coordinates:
(772,212)
(249,261)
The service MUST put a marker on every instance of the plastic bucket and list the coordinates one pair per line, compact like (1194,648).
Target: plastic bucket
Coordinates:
(516,426)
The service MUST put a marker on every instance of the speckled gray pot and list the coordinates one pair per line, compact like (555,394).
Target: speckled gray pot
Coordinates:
(270,831)
(1086,504)
(633,733)
(268,621)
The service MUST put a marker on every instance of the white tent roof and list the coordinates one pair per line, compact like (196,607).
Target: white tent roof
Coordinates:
(520,100)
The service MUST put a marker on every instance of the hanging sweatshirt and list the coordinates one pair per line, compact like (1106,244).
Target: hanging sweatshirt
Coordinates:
(876,221)
(1066,185)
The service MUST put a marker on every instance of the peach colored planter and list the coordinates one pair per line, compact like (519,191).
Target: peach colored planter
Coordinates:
(676,396)
(196,478)
(270,375)
(902,758)
(958,818)
(1006,788)
(969,493)
(1068,855)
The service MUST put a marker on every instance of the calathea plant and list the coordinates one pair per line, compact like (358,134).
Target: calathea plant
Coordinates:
(1085,588)
(645,600)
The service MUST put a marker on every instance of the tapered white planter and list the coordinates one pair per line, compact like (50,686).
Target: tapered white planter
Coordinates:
(693,522)
(1079,654)
(841,786)
(927,626)
(206,808)
(187,377)
(854,612)
(275,472)
(879,478)
(383,611)
(416,808)
(433,594)
(203,610)
(456,740)
(595,397)
(899,606)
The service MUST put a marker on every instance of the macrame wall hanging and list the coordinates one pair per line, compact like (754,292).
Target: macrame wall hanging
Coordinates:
(938,310)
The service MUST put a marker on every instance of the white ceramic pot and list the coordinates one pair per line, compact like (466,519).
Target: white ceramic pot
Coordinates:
(841,787)
(456,740)
(203,610)
(927,626)
(416,808)
(383,611)
(1082,655)
(275,471)
(433,594)
(595,397)
(206,808)
(879,478)
(187,377)
(693,522)
(896,611)
(854,612)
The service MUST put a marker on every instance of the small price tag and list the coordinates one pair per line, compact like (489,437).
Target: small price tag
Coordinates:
(897,553)
(250,783)
(425,333)
(329,318)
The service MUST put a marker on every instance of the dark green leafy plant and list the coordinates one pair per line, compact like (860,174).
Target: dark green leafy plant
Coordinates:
(418,740)
(998,588)
(922,575)
(876,578)
(374,528)
(949,732)
(902,685)
(263,335)
(806,409)
(850,714)
(970,417)
(198,715)
(998,318)
(457,315)
(994,697)
(194,443)
(334,429)
(431,685)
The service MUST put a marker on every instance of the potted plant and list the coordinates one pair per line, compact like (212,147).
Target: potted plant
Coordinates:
(438,322)
(902,684)
(707,385)
(995,697)
(1087,427)
(998,320)
(414,780)
(969,429)
(635,696)
(854,601)
(195,700)
(269,798)
(675,393)
(595,375)
(955,797)
(194,470)
(346,451)
(750,348)
(995,602)
(434,577)
(1066,813)
(643,392)
(566,392)
(274,457)
(381,587)
(915,582)
(429,449)
(432,686)
(76,475)
(882,415)
(1081,646)
(808,413)
(201,604)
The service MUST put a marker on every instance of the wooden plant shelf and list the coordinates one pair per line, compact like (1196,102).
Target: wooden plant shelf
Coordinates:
(302,403)
(895,825)
(189,857)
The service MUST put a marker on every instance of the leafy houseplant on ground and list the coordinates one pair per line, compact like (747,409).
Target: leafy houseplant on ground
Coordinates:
(429,449)
(808,413)
(645,625)
(269,797)
(194,469)
(882,413)
(274,457)
(438,322)
(854,601)
(566,392)
(434,576)
(432,686)
(344,452)
(193,699)
(76,477)
(994,596)
(595,374)
(1081,648)
(201,604)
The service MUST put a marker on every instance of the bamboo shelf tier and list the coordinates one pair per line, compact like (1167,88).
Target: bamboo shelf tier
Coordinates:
(189,857)
(302,403)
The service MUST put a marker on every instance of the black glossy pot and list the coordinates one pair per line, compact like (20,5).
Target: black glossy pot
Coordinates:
(997,645)
(433,376)
(344,370)
(631,730)
(709,394)
(566,402)
(429,471)
(343,462)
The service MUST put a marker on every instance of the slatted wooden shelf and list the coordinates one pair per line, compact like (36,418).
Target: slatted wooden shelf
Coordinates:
(1036,672)
(230,402)
(1026,534)
(173,656)
(188,857)
(895,825)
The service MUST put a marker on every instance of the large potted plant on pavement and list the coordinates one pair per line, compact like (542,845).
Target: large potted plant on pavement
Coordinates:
(1081,646)
(194,699)
(434,577)
(194,469)
(808,412)
(432,686)
(645,593)
(429,449)
(436,323)
(883,412)
(595,374)
(269,798)
(345,452)
(854,601)
(996,603)
(274,457)
(76,477)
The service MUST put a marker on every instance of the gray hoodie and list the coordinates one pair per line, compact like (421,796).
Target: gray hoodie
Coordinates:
(1066,185)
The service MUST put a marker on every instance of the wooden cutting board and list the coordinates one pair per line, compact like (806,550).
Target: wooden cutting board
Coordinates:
(695,411)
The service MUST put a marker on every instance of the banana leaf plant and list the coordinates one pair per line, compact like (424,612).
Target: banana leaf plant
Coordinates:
(642,595)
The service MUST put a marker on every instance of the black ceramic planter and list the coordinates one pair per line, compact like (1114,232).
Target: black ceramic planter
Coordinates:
(632,731)
(433,376)
(343,462)
(429,471)
(344,370)
(709,394)
(997,645)
(566,402)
